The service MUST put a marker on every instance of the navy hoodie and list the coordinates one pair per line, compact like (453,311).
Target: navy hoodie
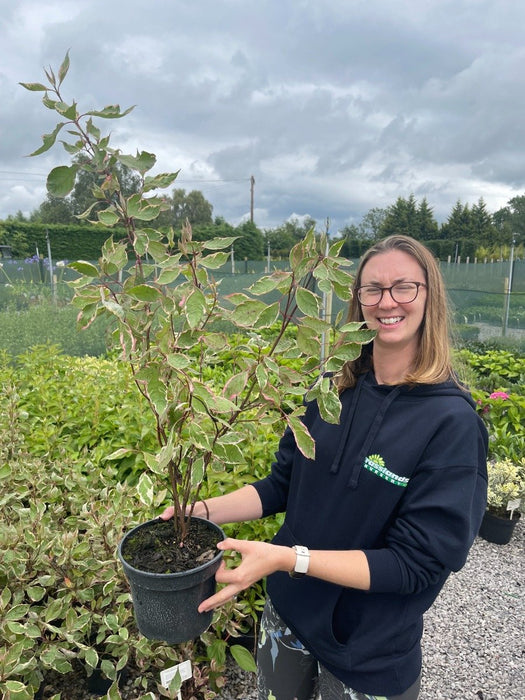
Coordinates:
(402,477)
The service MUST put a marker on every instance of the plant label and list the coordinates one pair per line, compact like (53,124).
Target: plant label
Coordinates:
(168,674)
(513,505)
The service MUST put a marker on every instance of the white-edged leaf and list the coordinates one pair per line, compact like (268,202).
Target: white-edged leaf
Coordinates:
(308,302)
(145,489)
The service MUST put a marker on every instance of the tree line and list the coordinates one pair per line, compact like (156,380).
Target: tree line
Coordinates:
(468,231)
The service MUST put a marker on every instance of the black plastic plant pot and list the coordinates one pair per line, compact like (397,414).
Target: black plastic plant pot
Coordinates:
(166,605)
(497,530)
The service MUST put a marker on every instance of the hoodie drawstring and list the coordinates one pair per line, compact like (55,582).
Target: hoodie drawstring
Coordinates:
(347,425)
(374,429)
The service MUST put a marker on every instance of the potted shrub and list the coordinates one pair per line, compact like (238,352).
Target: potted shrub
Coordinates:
(505,498)
(171,324)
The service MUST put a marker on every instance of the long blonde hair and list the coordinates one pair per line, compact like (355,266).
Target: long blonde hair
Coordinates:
(433,363)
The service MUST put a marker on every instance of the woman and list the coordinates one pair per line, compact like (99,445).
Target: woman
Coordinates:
(388,508)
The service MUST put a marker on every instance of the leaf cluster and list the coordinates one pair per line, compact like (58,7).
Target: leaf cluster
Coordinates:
(506,483)
(62,600)
(502,366)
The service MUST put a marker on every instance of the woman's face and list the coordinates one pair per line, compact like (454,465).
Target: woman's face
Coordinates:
(396,323)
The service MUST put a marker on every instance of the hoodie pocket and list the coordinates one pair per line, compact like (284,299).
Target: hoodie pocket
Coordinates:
(309,607)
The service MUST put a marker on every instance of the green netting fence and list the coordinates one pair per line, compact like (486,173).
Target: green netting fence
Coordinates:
(487,296)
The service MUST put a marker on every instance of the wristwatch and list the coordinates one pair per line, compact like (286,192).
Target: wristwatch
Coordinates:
(301,562)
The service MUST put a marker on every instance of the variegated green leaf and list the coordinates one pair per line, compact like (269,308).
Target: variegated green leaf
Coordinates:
(303,439)
(146,489)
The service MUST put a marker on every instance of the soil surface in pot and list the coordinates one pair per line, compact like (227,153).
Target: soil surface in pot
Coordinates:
(155,548)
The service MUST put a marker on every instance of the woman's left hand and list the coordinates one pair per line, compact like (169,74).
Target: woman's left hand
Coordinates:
(259,559)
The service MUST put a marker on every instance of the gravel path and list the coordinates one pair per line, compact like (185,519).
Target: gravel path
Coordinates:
(474,640)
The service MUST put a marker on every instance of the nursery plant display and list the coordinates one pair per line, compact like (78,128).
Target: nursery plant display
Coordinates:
(498,378)
(62,416)
(172,323)
(505,499)
(506,487)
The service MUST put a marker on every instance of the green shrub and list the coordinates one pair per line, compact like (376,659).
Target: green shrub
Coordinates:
(78,408)
(503,415)
(513,344)
(496,379)
(496,369)
(63,598)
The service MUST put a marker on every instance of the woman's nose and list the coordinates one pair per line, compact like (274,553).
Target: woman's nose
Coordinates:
(387,301)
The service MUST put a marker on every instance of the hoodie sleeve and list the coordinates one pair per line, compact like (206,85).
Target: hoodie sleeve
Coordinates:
(440,513)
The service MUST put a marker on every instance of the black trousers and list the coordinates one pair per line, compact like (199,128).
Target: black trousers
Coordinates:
(287,671)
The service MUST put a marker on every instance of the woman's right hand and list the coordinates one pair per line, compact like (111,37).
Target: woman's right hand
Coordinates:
(200,510)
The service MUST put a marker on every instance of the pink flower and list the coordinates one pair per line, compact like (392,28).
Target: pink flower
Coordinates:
(499,395)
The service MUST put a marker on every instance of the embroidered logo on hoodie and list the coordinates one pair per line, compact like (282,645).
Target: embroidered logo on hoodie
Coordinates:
(376,465)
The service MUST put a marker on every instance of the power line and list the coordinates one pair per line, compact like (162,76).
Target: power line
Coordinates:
(33,174)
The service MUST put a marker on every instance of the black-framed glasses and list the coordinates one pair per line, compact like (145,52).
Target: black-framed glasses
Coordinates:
(401,293)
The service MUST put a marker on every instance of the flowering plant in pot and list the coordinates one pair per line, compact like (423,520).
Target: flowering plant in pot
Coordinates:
(172,323)
(505,499)
(506,485)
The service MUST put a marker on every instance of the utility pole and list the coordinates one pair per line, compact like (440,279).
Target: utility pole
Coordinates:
(252,186)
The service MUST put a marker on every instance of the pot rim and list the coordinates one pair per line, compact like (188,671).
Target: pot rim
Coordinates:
(516,514)
(173,574)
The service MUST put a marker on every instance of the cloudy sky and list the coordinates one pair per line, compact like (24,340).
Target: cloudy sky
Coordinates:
(334,106)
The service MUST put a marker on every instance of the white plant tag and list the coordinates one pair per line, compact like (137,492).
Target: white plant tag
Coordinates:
(184,670)
(513,505)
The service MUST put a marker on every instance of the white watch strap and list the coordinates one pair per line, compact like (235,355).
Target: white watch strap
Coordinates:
(302,560)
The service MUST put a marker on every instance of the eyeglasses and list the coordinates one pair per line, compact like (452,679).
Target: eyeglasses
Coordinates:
(401,293)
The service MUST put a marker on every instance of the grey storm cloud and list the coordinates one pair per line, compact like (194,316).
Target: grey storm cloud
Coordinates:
(334,107)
